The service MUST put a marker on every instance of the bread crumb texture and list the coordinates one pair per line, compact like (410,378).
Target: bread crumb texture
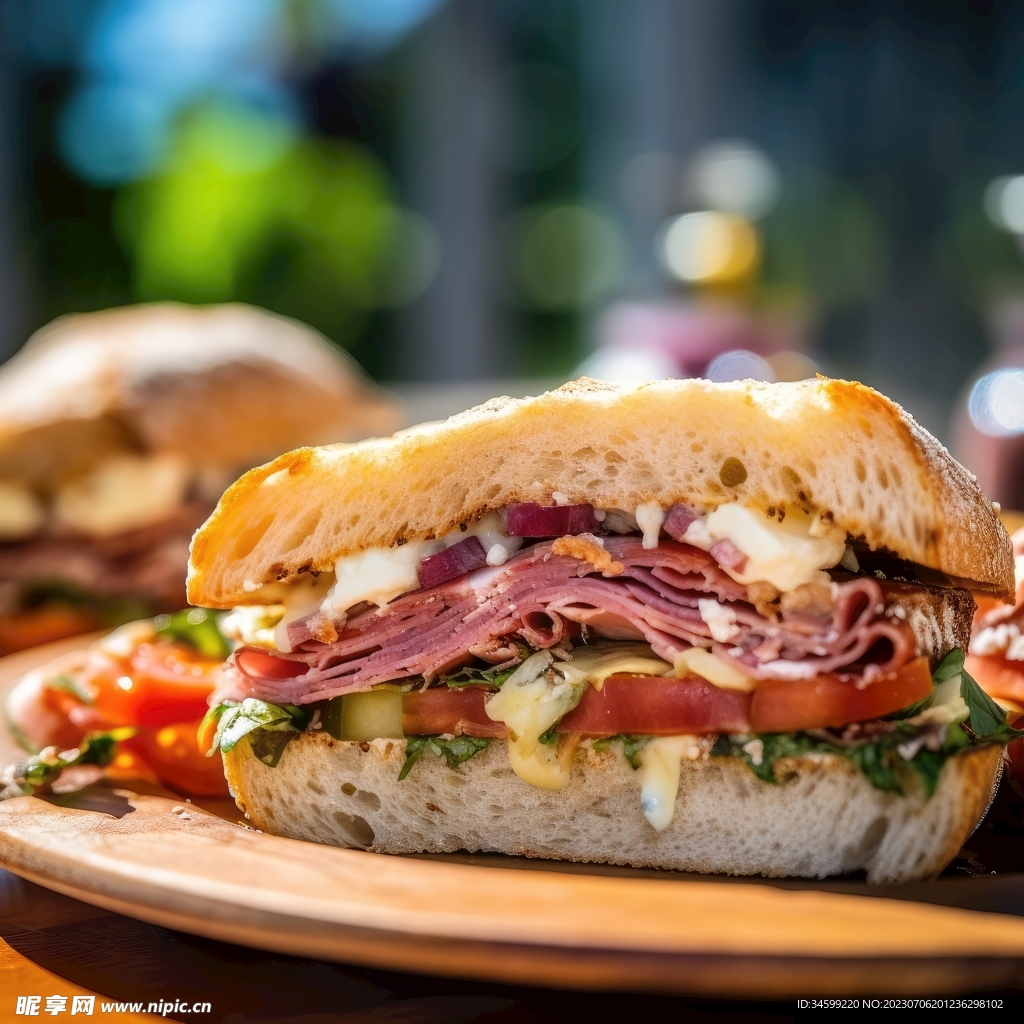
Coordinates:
(823,818)
(837,448)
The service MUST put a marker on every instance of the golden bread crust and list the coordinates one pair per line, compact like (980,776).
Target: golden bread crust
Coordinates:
(834,446)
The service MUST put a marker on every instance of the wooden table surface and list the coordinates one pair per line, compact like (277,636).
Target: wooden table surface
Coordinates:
(54,945)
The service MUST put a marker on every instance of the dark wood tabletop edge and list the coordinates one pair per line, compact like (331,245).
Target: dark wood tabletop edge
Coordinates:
(713,975)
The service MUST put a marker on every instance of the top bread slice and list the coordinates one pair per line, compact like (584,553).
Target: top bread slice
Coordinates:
(225,386)
(834,447)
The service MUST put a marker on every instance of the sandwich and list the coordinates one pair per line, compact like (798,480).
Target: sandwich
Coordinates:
(996,659)
(120,429)
(705,627)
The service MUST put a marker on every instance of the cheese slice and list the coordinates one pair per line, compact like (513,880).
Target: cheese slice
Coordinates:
(599,661)
(785,554)
(696,661)
(530,701)
(21,512)
(660,764)
(122,493)
(379,575)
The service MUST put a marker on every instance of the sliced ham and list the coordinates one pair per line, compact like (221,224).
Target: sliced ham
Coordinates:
(536,593)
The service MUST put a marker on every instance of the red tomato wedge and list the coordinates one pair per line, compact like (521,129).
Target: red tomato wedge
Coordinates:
(159,684)
(828,701)
(173,754)
(658,706)
(267,666)
(998,677)
(441,710)
(665,706)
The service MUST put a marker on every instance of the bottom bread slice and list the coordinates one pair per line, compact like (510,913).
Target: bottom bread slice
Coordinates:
(823,818)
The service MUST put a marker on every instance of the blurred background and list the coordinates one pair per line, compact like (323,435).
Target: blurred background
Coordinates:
(485,196)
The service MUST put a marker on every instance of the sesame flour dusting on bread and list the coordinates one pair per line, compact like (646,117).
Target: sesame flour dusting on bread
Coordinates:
(851,455)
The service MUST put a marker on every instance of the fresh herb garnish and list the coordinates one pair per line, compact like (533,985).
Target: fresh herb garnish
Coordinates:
(489,677)
(549,736)
(987,720)
(40,772)
(631,746)
(196,627)
(268,745)
(455,751)
(882,759)
(72,686)
(235,721)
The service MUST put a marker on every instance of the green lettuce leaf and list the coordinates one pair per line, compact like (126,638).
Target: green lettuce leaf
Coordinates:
(196,627)
(987,719)
(631,746)
(235,721)
(38,773)
(455,751)
(489,677)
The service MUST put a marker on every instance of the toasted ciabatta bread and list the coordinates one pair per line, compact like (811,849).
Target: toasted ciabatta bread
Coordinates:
(823,818)
(226,386)
(838,448)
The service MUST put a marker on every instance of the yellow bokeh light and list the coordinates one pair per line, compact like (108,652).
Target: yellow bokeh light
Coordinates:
(167,737)
(710,247)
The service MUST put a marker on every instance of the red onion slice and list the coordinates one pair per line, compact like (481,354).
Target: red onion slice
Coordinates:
(463,557)
(678,520)
(727,555)
(528,520)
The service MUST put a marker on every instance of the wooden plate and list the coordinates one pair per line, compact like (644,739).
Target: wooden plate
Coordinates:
(162,860)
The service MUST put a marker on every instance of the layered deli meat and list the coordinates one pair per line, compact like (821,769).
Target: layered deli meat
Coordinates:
(706,623)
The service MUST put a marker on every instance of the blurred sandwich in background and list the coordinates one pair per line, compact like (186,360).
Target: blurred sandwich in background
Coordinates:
(120,429)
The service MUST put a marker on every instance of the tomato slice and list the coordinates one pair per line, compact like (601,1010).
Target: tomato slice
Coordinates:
(829,701)
(159,684)
(997,676)
(268,666)
(174,755)
(658,706)
(441,710)
(665,706)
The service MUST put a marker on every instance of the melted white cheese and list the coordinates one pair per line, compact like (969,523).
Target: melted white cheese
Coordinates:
(599,661)
(529,702)
(542,690)
(253,624)
(487,530)
(660,764)
(379,575)
(649,517)
(720,619)
(785,554)
(696,661)
(21,512)
(376,575)
(122,493)
(300,601)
